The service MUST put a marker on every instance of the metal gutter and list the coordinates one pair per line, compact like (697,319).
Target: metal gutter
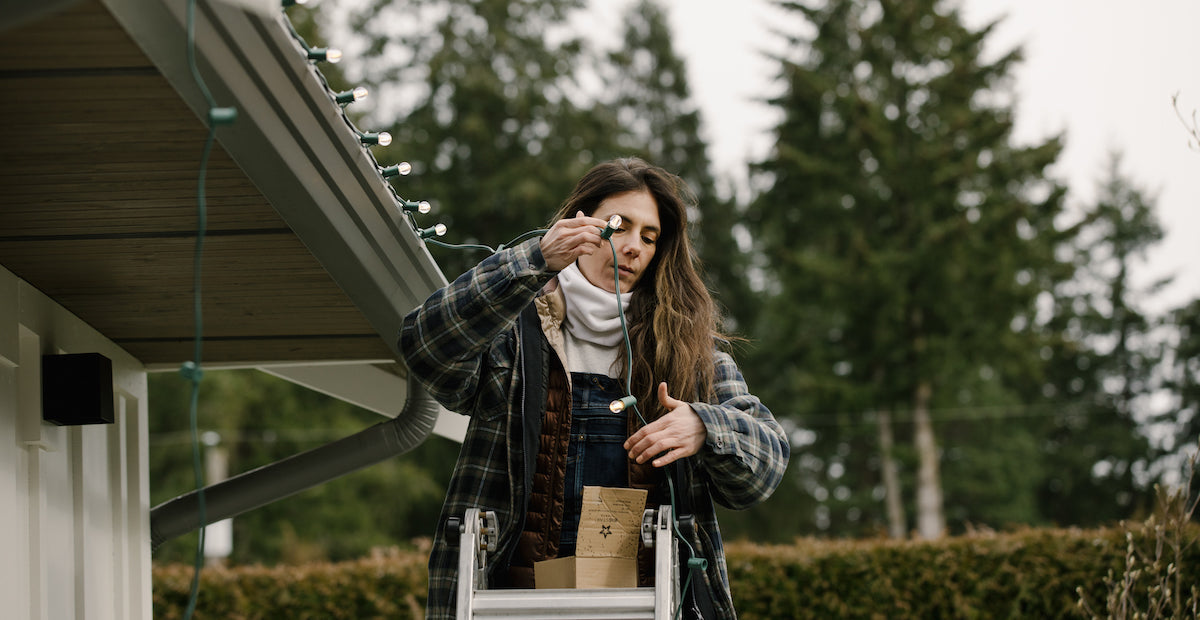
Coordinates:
(273,482)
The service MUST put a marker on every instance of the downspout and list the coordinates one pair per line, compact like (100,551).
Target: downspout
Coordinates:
(273,482)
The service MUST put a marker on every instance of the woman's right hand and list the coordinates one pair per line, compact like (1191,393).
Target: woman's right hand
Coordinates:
(570,238)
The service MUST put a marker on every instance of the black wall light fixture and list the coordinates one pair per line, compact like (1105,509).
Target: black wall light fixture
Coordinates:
(77,388)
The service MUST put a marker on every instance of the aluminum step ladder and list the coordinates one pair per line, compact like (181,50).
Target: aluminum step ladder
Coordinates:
(478,534)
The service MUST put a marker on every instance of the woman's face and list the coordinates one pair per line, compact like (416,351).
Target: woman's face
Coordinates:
(635,241)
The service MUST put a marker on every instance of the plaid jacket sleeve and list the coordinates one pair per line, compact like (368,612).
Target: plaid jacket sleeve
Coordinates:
(746,451)
(445,339)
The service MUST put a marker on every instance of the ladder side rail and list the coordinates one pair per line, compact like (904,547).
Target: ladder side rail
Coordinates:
(468,546)
(666,566)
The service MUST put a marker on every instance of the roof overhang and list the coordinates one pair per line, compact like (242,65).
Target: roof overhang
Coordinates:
(307,260)
(292,141)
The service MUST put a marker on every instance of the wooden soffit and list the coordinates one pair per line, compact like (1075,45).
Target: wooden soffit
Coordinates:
(304,258)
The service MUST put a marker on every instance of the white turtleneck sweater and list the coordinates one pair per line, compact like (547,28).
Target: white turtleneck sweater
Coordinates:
(593,334)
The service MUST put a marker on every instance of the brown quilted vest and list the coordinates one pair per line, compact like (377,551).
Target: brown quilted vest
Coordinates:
(543,522)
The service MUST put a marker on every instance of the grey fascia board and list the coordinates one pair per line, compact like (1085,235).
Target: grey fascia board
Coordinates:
(292,141)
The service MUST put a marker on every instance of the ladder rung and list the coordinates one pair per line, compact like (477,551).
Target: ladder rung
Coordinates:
(605,604)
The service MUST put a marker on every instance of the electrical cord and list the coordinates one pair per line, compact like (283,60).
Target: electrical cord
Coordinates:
(693,561)
(192,370)
(477,246)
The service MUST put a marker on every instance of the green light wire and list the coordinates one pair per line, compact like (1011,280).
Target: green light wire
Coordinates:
(191,370)
(529,235)
(477,246)
(460,246)
(629,390)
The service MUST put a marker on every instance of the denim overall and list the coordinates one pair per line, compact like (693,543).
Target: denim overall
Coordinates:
(595,455)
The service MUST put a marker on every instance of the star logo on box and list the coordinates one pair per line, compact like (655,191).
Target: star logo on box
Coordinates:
(605,530)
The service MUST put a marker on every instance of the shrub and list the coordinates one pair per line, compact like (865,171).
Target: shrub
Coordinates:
(1033,573)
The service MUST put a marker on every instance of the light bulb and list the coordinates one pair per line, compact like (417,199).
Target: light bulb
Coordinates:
(617,406)
(436,230)
(350,96)
(398,170)
(421,206)
(222,116)
(614,223)
(320,54)
(382,138)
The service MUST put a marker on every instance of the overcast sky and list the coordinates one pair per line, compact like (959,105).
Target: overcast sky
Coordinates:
(1103,72)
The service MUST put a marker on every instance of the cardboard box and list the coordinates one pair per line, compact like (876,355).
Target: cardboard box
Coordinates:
(610,526)
(577,573)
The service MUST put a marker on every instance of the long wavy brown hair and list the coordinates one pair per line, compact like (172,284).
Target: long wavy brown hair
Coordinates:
(672,319)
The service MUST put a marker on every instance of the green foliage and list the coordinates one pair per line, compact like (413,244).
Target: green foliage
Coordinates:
(1101,361)
(385,585)
(1025,574)
(906,239)
(1184,373)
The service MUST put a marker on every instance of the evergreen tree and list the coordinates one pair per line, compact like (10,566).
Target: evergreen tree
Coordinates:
(906,238)
(1184,375)
(648,95)
(1102,368)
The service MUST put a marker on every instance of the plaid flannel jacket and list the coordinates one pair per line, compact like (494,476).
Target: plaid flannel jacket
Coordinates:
(463,345)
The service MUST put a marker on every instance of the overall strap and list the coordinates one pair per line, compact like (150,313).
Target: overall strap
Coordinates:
(531,368)
(533,389)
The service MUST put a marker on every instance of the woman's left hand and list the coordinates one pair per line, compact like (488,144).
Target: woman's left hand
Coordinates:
(678,434)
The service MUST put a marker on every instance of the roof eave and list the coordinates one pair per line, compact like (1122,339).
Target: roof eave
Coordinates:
(293,142)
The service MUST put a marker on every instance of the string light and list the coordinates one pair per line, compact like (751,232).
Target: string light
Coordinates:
(617,406)
(221,116)
(350,96)
(614,223)
(420,206)
(436,230)
(399,170)
(330,55)
(382,138)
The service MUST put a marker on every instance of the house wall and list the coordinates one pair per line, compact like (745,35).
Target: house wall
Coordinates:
(74,500)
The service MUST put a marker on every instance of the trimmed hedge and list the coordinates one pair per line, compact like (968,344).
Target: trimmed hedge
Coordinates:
(385,585)
(1027,574)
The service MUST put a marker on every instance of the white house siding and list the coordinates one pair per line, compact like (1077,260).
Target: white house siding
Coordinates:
(74,500)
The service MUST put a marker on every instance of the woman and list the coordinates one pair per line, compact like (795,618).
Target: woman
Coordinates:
(529,344)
